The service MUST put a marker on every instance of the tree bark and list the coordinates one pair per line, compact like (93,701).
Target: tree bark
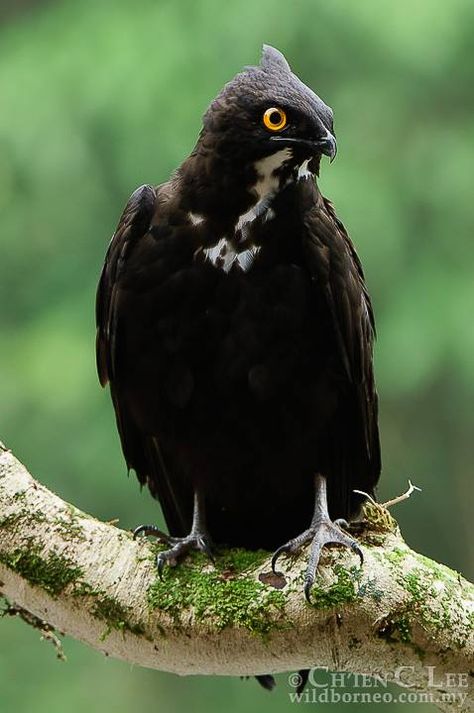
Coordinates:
(401,617)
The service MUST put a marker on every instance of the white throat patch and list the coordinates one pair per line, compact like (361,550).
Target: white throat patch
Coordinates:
(225,254)
(268,182)
(303,170)
(266,186)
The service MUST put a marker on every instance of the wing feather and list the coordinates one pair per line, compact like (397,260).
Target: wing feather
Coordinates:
(133,224)
(337,271)
(142,451)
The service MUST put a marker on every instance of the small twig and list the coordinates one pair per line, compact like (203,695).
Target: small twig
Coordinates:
(369,497)
(394,501)
(49,635)
(46,630)
(404,496)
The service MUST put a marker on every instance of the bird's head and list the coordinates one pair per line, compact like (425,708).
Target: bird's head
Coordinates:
(267,110)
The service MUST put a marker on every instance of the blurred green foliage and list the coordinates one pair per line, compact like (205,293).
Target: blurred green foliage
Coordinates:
(99,97)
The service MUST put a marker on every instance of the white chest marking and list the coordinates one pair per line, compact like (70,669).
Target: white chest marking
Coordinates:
(252,214)
(221,255)
(195,218)
(224,255)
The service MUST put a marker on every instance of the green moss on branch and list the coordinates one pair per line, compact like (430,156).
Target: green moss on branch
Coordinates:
(228,594)
(115,615)
(51,572)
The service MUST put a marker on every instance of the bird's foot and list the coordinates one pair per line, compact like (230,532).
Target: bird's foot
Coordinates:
(321,533)
(178,546)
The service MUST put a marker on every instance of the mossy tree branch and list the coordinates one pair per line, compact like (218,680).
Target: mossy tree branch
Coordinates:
(93,581)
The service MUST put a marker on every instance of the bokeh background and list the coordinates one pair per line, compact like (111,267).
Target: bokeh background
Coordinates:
(100,96)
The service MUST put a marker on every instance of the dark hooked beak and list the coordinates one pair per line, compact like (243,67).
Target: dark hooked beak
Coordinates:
(328,146)
(325,145)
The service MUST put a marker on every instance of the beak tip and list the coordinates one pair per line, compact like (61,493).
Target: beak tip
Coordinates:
(330,147)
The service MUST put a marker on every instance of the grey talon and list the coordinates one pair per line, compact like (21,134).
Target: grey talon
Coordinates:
(322,531)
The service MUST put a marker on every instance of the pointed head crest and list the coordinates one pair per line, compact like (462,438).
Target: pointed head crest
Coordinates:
(273,60)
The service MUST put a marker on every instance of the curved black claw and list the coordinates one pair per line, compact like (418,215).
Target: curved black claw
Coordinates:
(152,530)
(160,563)
(292,547)
(205,546)
(355,547)
(308,584)
(276,555)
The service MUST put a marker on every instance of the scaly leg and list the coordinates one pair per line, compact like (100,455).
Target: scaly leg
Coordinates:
(322,531)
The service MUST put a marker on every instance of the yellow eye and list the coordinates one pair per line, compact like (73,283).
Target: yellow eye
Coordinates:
(275,119)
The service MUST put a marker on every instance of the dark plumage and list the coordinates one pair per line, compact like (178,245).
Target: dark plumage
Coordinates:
(235,329)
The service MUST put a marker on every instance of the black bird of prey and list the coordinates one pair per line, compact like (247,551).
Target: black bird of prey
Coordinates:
(236,332)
